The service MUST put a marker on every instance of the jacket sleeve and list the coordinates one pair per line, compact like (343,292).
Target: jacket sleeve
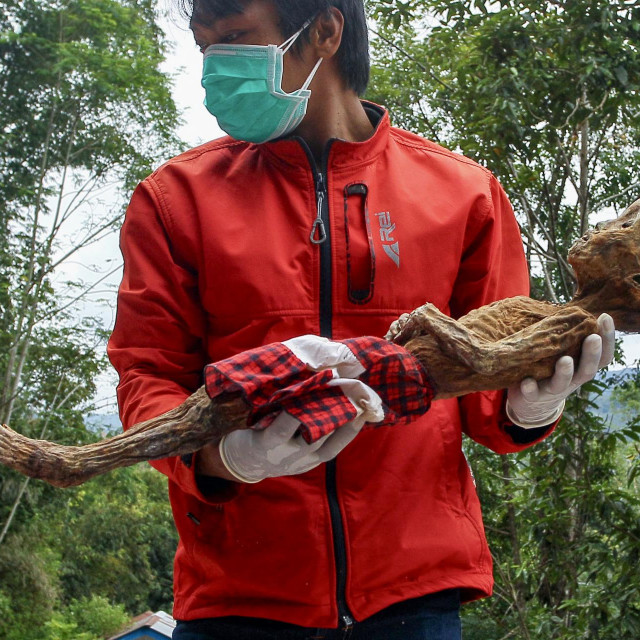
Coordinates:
(493,267)
(157,345)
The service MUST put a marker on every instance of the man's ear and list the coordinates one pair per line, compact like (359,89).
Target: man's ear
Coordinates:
(325,33)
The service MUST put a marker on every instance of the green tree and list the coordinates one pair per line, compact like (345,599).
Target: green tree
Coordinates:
(119,540)
(28,588)
(84,106)
(87,562)
(543,93)
(626,397)
(546,95)
(84,102)
(91,618)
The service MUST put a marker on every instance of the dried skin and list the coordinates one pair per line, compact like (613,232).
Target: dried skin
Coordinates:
(185,429)
(495,346)
(502,343)
(489,348)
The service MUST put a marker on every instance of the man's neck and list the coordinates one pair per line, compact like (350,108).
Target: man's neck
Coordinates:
(339,115)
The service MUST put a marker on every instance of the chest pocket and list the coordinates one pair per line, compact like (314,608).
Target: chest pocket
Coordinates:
(394,251)
(361,261)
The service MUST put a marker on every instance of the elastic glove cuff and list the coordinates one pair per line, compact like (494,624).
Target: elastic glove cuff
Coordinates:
(229,468)
(550,419)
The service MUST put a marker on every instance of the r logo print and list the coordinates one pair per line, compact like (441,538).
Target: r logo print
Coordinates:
(390,246)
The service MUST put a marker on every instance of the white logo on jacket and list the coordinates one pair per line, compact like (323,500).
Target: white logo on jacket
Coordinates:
(390,246)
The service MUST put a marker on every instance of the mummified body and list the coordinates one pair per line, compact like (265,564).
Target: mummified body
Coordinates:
(489,348)
(502,343)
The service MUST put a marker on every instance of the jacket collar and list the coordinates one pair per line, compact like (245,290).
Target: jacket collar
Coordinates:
(294,152)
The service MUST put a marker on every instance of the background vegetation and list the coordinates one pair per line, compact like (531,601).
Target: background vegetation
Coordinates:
(546,95)
(543,93)
(85,112)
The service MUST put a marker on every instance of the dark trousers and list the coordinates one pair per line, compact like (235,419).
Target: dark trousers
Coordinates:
(432,617)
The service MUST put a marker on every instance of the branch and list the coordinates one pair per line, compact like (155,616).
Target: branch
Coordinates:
(601,138)
(85,191)
(200,420)
(405,53)
(58,310)
(532,214)
(583,193)
(567,163)
(425,117)
(554,207)
(83,243)
(603,201)
(549,283)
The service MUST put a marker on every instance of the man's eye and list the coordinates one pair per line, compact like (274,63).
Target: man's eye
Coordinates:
(230,37)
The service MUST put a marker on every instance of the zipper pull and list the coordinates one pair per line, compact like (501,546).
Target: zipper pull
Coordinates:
(318,224)
(347,622)
(318,227)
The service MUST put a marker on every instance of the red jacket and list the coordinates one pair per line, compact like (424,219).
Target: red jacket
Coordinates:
(218,259)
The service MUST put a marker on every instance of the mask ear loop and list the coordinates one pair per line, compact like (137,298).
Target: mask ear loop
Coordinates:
(286,45)
(305,86)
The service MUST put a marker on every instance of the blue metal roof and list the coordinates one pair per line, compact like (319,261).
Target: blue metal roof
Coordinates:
(143,634)
(149,626)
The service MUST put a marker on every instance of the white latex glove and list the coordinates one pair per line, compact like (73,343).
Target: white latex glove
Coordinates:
(277,451)
(253,455)
(533,404)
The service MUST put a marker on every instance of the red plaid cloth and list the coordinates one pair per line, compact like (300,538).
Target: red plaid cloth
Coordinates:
(396,376)
(272,379)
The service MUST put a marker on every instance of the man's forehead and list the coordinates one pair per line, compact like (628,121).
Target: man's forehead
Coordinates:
(206,12)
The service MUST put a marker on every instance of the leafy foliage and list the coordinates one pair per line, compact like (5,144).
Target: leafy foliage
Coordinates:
(84,103)
(626,396)
(90,559)
(119,541)
(546,95)
(85,106)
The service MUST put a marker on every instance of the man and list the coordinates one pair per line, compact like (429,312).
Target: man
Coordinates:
(318,217)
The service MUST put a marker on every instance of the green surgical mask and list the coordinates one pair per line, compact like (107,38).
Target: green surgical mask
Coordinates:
(243,85)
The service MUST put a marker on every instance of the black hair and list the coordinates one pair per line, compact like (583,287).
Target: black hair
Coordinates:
(353,54)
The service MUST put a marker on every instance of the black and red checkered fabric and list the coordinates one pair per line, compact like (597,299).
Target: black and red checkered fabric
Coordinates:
(272,379)
(396,376)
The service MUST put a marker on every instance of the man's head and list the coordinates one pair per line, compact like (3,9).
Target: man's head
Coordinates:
(353,54)
(606,261)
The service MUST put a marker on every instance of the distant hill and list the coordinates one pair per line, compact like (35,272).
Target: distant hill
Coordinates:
(613,378)
(103,423)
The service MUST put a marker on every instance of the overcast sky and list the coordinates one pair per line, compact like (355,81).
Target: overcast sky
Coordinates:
(184,63)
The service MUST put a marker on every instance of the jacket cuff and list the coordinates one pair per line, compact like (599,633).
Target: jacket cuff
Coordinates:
(521,435)
(208,489)
(528,435)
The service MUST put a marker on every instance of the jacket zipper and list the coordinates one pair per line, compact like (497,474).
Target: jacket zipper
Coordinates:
(345,618)
(322,229)
(321,235)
